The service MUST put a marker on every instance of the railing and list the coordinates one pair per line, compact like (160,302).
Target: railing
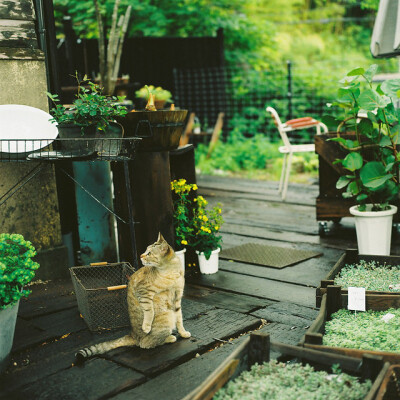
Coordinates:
(77,149)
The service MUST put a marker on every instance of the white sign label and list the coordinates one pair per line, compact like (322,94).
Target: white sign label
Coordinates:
(356,299)
(387,317)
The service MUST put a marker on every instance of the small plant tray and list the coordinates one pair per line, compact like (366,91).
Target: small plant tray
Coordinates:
(351,256)
(258,348)
(336,299)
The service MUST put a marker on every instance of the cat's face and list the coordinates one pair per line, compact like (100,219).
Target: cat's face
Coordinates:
(157,253)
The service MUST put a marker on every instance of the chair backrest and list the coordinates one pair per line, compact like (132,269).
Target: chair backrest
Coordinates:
(279,125)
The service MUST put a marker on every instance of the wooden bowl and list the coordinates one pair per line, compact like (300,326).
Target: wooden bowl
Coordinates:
(161,130)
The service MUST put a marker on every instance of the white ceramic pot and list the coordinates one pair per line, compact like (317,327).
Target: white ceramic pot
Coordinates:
(8,318)
(374,230)
(209,266)
(181,256)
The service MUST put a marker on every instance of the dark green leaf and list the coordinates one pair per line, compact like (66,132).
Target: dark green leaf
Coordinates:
(353,161)
(361,197)
(353,188)
(373,175)
(342,182)
(365,126)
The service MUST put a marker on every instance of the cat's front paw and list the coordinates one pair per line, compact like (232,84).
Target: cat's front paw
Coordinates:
(185,334)
(146,327)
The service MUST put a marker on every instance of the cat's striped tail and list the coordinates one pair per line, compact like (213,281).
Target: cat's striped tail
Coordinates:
(101,348)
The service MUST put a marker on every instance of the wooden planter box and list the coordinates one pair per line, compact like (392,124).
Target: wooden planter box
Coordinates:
(351,256)
(335,300)
(390,388)
(257,349)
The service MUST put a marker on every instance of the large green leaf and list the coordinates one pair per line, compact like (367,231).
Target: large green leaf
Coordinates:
(356,72)
(390,87)
(369,100)
(365,126)
(353,161)
(371,71)
(373,175)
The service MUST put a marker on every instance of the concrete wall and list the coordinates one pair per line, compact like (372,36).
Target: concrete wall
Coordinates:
(33,210)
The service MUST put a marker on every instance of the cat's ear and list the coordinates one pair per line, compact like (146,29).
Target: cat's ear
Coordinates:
(160,238)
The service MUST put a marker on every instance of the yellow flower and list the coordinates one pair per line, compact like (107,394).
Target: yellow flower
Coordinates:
(205,219)
(184,242)
(217,227)
(195,187)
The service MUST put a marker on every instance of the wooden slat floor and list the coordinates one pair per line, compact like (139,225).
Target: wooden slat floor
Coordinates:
(219,309)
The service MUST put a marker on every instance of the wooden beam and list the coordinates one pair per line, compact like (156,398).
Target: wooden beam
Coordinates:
(15,33)
(17,9)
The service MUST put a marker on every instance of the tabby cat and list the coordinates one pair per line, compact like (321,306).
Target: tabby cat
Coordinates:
(154,302)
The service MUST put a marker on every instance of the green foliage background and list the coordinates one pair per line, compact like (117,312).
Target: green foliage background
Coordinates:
(323,39)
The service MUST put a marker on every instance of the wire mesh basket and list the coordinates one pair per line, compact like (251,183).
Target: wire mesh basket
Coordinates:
(101,291)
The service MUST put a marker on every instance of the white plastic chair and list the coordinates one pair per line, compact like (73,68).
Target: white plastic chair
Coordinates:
(288,149)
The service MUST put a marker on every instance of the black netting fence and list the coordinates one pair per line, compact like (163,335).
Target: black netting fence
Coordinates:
(243,94)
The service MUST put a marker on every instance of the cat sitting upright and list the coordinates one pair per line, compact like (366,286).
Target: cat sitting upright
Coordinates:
(154,302)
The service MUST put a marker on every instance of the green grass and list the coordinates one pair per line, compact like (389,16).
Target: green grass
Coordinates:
(254,158)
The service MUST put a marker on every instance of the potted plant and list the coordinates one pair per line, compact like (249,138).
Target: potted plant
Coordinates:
(206,235)
(91,113)
(161,96)
(370,164)
(16,270)
(183,216)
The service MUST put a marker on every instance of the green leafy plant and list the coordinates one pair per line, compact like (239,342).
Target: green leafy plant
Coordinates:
(206,227)
(183,212)
(90,107)
(366,330)
(158,92)
(370,275)
(275,380)
(371,162)
(16,267)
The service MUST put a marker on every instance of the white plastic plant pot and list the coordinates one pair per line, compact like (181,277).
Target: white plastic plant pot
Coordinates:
(8,319)
(181,256)
(209,266)
(374,230)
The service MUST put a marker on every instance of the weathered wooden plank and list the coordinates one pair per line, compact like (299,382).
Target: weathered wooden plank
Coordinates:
(229,301)
(185,377)
(288,313)
(17,9)
(96,379)
(15,33)
(191,309)
(215,324)
(38,362)
(50,327)
(10,53)
(258,287)
(283,333)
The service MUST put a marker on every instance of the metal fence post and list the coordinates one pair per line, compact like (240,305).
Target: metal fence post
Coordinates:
(289,89)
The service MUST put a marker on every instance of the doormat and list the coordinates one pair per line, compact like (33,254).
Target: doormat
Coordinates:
(268,256)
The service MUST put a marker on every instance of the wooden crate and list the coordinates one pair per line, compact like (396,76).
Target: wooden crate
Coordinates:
(257,349)
(335,300)
(390,388)
(351,256)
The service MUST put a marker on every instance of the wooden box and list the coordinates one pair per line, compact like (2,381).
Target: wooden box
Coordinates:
(257,349)
(335,300)
(390,388)
(351,256)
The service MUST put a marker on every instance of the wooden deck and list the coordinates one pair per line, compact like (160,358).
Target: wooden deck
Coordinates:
(217,308)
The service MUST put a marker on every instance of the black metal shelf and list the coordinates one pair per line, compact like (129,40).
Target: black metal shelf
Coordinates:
(77,149)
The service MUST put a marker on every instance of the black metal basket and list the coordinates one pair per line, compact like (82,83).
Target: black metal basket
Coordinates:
(101,291)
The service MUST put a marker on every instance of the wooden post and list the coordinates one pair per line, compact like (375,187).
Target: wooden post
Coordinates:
(333,300)
(259,348)
(371,366)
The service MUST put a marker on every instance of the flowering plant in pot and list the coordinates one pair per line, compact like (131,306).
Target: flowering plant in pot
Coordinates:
(183,215)
(16,270)
(206,234)
(371,162)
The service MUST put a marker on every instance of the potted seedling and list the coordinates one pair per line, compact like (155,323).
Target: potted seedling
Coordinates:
(92,114)
(161,96)
(16,270)
(371,163)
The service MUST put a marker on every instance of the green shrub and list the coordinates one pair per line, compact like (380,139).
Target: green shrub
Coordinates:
(16,267)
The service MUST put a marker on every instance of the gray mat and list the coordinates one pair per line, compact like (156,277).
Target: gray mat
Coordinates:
(269,256)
